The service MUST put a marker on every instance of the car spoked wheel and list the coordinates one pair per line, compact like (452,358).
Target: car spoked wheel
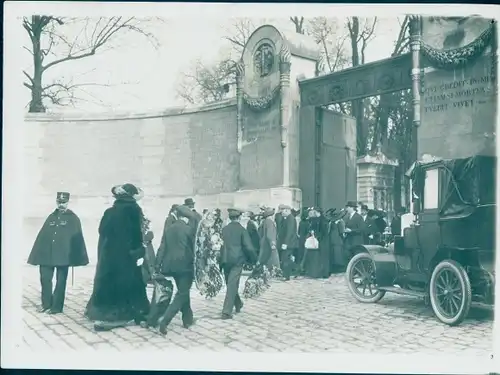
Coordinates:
(360,275)
(450,292)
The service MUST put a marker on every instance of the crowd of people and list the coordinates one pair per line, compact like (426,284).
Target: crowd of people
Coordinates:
(203,249)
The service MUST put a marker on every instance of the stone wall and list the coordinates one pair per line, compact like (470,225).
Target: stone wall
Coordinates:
(171,155)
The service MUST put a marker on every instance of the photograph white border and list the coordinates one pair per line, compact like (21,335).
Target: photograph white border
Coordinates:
(12,356)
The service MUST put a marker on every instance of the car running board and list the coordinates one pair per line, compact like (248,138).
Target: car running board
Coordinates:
(407,292)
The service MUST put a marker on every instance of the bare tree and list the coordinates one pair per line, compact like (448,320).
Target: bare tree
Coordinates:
(361,32)
(299,24)
(205,83)
(209,82)
(329,34)
(50,46)
(238,33)
(390,101)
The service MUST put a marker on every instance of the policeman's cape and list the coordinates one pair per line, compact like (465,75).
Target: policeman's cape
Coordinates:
(71,251)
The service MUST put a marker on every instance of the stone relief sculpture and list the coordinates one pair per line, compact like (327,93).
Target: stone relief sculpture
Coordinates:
(264,60)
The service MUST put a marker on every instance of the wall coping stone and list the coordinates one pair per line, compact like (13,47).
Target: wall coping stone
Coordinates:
(377,158)
(125,115)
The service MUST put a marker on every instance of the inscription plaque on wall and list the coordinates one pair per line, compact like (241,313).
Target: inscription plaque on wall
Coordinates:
(261,125)
(463,98)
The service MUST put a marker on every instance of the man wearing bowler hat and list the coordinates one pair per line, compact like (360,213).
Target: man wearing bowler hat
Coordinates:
(288,241)
(237,251)
(59,245)
(354,227)
(195,218)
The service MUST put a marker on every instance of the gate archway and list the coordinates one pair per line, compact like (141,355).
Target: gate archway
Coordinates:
(376,78)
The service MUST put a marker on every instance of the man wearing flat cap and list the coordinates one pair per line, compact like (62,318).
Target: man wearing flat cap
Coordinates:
(59,245)
(175,258)
(354,227)
(236,251)
(288,241)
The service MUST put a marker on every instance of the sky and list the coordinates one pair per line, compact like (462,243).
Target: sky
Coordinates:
(143,78)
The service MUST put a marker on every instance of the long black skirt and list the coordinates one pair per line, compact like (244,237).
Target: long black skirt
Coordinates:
(119,294)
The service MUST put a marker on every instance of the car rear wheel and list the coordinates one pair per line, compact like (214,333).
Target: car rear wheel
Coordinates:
(450,292)
(360,275)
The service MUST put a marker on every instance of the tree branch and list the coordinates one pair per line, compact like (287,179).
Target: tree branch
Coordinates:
(234,41)
(29,77)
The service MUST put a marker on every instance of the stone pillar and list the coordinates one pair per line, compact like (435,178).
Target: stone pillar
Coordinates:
(415,41)
(376,176)
(285,113)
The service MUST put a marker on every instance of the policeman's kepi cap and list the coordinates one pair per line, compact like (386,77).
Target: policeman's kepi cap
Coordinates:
(62,197)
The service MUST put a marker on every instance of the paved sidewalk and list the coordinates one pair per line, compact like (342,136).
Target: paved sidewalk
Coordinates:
(302,315)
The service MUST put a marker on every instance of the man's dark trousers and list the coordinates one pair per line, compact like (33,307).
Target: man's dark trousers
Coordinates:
(286,262)
(232,276)
(53,300)
(181,301)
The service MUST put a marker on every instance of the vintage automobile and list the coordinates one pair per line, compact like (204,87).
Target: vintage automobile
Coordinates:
(447,254)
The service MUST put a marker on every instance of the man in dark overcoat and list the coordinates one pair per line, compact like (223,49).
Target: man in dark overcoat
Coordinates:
(288,241)
(354,227)
(175,258)
(172,216)
(195,218)
(278,217)
(59,245)
(268,254)
(396,222)
(237,251)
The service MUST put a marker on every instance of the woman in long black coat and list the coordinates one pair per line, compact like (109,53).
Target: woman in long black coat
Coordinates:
(303,232)
(317,261)
(119,293)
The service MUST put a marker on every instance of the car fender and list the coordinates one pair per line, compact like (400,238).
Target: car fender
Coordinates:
(384,261)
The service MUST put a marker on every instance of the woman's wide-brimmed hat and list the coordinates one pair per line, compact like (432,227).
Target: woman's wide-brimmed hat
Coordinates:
(127,191)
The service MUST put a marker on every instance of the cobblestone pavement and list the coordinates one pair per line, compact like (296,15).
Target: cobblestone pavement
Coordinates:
(301,315)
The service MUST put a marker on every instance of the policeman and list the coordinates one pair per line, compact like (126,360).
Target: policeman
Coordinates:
(59,245)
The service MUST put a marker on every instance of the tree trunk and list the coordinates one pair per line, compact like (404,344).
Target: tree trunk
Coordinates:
(36,104)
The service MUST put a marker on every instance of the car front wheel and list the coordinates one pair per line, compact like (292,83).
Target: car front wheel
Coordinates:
(450,292)
(360,275)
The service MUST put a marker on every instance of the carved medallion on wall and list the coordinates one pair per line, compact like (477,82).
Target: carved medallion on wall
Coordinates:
(264,60)
(261,59)
(385,82)
(313,97)
(336,92)
(362,87)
